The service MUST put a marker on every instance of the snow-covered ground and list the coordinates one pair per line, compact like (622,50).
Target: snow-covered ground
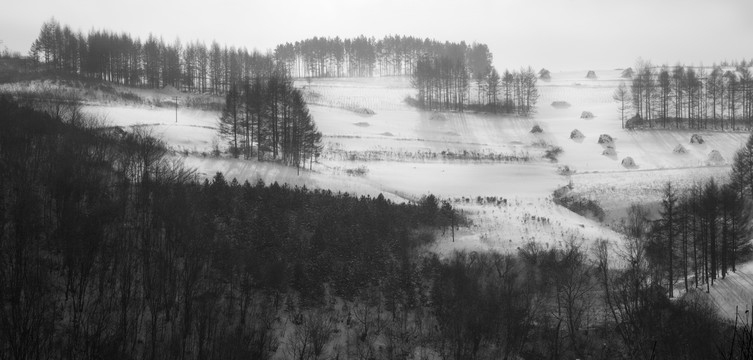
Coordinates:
(734,294)
(649,149)
(407,153)
(194,130)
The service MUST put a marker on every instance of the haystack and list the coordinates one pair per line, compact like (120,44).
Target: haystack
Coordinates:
(715,158)
(610,151)
(679,149)
(628,162)
(591,75)
(696,139)
(586,115)
(545,75)
(536,129)
(560,104)
(605,139)
(576,135)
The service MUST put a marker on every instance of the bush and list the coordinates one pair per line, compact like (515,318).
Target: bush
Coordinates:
(634,122)
(553,152)
(565,170)
(359,171)
(560,104)
(581,206)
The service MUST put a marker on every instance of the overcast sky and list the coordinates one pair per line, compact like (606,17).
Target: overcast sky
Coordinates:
(556,34)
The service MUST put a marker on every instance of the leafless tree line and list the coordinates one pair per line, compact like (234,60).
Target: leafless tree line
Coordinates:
(692,97)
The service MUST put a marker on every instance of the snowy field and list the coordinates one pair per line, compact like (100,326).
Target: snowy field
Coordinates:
(488,166)
(733,295)
(406,153)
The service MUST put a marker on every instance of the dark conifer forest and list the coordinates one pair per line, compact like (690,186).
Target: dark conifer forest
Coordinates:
(110,249)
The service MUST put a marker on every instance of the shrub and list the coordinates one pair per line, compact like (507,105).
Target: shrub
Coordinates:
(359,171)
(579,205)
(553,152)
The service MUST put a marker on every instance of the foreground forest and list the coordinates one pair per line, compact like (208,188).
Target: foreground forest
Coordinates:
(109,248)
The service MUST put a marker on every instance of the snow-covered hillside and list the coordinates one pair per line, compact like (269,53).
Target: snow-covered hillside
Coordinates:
(491,167)
(407,153)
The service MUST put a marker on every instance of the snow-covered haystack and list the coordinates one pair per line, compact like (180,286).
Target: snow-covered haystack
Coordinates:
(363,111)
(536,129)
(545,75)
(715,158)
(591,75)
(560,104)
(605,139)
(696,139)
(627,73)
(610,151)
(586,115)
(628,162)
(576,135)
(437,116)
(679,149)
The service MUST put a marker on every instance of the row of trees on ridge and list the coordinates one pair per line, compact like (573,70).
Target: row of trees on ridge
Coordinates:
(689,97)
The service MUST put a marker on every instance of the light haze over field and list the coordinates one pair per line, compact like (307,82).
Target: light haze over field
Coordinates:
(557,34)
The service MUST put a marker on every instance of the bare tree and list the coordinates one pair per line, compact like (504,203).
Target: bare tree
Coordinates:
(622,97)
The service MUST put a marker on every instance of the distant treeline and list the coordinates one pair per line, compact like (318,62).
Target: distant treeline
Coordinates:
(442,72)
(153,63)
(195,66)
(364,57)
(272,113)
(443,84)
(691,97)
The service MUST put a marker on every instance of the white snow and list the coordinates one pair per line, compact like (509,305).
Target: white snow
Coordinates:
(402,148)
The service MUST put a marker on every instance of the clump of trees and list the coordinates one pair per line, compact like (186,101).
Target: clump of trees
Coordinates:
(704,232)
(443,84)
(717,97)
(272,114)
